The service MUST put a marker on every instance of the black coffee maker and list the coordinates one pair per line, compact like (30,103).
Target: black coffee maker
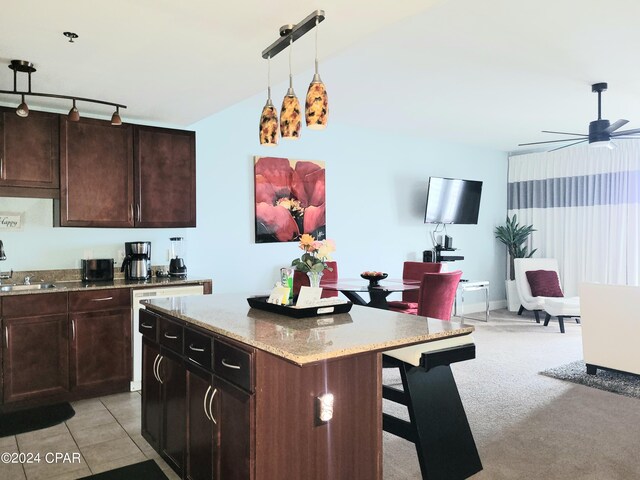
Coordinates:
(137,260)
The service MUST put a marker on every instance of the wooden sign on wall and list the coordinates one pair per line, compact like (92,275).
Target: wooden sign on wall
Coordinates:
(10,221)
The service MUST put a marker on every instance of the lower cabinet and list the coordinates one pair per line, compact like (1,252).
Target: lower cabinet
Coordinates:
(198,421)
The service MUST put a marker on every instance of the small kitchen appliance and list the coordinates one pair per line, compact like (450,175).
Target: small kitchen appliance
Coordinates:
(177,268)
(97,270)
(137,260)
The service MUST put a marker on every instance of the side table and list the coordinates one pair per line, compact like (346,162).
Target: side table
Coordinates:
(464,287)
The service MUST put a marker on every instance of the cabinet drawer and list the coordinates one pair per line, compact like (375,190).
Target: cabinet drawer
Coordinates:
(171,335)
(197,348)
(233,364)
(148,325)
(34,305)
(93,300)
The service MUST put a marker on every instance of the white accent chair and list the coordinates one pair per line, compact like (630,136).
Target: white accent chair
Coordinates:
(610,327)
(560,307)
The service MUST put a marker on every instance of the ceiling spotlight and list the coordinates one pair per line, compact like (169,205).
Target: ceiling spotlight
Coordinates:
(115,118)
(74,114)
(23,109)
(71,36)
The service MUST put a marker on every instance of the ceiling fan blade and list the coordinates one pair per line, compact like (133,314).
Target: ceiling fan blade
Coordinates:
(616,125)
(570,145)
(551,141)
(625,138)
(565,133)
(626,132)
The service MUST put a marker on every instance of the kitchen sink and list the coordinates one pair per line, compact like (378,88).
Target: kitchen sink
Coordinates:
(19,287)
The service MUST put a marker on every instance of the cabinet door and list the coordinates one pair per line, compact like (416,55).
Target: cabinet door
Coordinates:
(101,350)
(151,395)
(202,434)
(96,170)
(36,357)
(174,382)
(165,163)
(234,409)
(29,154)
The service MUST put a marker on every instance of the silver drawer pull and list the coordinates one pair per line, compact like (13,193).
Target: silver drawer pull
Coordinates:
(230,365)
(104,299)
(204,403)
(170,337)
(195,349)
(144,325)
(215,390)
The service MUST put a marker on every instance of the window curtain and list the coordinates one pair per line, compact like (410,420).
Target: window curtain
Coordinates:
(584,204)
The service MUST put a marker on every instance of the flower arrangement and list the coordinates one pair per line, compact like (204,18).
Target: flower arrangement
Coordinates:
(315,256)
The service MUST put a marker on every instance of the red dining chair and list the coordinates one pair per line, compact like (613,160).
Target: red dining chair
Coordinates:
(413,271)
(329,276)
(437,294)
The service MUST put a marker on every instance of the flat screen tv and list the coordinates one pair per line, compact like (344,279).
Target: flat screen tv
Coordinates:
(452,200)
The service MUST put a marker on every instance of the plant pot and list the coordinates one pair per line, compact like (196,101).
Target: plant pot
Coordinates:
(513,299)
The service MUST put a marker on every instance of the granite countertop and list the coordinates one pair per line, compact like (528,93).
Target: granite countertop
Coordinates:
(307,340)
(78,285)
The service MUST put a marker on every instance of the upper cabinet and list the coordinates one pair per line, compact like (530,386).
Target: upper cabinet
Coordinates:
(165,177)
(126,176)
(29,154)
(96,173)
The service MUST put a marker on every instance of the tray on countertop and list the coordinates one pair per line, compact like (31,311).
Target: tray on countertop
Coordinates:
(260,302)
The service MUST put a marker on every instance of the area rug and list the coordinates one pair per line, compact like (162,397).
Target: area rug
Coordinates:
(34,418)
(148,470)
(616,382)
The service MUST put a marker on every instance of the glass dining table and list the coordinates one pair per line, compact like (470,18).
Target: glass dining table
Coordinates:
(353,287)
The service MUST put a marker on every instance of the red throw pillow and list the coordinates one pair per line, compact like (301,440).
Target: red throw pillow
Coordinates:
(544,283)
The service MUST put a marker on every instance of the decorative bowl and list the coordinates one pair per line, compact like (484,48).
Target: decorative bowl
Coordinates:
(373,277)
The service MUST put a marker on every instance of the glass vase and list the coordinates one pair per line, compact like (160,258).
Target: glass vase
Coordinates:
(314,278)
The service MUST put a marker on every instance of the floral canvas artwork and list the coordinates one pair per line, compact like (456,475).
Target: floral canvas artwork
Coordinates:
(290,199)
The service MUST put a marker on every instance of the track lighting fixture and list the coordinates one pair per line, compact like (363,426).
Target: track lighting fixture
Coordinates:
(24,66)
(269,116)
(316,100)
(74,114)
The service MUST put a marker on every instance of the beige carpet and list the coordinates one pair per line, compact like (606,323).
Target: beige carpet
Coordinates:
(529,426)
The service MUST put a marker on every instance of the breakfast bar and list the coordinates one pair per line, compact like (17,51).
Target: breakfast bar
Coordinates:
(232,392)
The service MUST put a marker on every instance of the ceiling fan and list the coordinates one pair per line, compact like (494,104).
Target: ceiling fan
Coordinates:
(601,131)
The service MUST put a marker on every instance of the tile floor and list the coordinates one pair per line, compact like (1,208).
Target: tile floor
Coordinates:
(105,432)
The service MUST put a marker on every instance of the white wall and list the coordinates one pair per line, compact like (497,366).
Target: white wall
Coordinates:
(376,190)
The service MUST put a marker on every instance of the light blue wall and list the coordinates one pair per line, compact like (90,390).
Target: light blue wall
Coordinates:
(376,189)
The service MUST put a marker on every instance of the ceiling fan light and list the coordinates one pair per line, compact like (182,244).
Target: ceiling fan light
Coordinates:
(115,118)
(74,114)
(23,109)
(317,105)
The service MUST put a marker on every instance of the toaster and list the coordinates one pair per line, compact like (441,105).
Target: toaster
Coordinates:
(97,269)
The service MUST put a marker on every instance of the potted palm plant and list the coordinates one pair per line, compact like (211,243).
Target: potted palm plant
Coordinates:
(514,236)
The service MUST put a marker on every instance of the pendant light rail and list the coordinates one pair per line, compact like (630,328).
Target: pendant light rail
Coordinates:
(291,35)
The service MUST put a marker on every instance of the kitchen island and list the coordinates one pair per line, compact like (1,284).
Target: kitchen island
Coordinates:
(238,393)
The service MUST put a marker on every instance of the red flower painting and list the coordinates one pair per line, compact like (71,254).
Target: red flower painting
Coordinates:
(290,199)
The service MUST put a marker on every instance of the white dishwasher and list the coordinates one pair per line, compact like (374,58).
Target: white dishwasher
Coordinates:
(149,294)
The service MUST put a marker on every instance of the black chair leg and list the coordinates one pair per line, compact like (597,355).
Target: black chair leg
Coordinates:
(591,369)
(536,313)
(578,320)
(547,317)
(520,310)
(561,322)
(439,426)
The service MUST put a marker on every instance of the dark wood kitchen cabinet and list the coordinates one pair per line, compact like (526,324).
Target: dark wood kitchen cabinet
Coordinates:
(165,177)
(35,360)
(202,431)
(100,330)
(29,154)
(96,174)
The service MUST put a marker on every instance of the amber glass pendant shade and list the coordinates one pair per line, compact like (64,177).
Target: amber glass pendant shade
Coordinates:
(269,125)
(23,109)
(290,117)
(74,114)
(115,118)
(317,106)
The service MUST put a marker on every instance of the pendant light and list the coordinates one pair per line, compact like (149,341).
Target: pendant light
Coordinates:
(115,118)
(74,114)
(317,102)
(23,109)
(269,116)
(290,121)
